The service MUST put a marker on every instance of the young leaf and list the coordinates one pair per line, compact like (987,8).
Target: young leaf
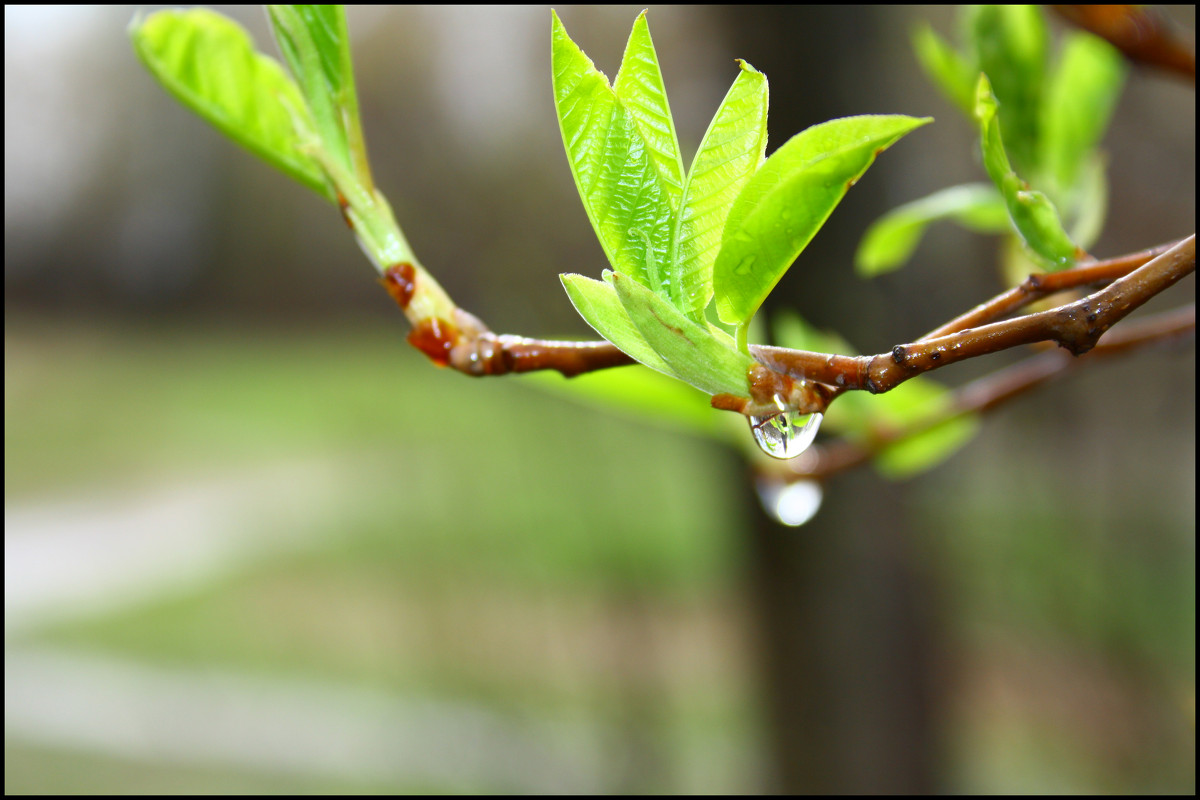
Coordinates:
(729,153)
(1034,216)
(316,45)
(694,352)
(946,68)
(787,201)
(598,304)
(891,239)
(639,87)
(208,63)
(1079,103)
(1012,47)
(625,198)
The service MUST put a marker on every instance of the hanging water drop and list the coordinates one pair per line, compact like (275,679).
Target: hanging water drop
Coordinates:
(786,434)
(792,503)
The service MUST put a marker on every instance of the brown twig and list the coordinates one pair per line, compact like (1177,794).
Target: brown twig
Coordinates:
(461,341)
(1075,326)
(1137,32)
(1040,285)
(825,460)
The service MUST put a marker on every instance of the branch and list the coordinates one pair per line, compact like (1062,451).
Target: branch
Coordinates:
(1075,326)
(1138,32)
(465,344)
(988,392)
(1040,285)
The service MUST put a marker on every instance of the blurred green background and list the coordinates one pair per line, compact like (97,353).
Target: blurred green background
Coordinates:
(256,543)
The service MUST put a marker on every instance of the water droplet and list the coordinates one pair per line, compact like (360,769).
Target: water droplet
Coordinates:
(743,267)
(786,434)
(790,503)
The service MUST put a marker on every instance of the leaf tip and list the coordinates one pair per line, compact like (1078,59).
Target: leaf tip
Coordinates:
(745,66)
(985,101)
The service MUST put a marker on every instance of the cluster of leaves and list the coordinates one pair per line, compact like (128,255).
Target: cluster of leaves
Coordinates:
(694,252)
(722,232)
(1035,120)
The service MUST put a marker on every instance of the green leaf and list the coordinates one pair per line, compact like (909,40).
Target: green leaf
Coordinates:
(598,304)
(642,394)
(787,201)
(948,70)
(1035,217)
(639,88)
(729,153)
(626,200)
(908,405)
(696,354)
(891,239)
(1080,99)
(209,64)
(316,45)
(1012,48)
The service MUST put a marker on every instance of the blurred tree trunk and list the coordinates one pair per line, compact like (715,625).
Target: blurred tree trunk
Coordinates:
(847,663)
(848,677)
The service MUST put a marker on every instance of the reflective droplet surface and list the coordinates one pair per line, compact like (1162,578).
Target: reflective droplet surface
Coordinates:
(790,503)
(786,434)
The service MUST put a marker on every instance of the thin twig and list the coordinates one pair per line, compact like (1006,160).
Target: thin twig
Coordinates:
(990,391)
(1076,326)
(465,344)
(1040,285)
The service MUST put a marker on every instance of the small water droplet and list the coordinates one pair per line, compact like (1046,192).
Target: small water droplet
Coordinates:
(743,267)
(792,503)
(786,434)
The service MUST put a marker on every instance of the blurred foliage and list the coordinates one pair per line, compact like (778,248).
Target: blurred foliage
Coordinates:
(515,604)
(1040,127)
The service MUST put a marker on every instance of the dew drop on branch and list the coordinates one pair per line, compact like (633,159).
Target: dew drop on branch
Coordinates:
(786,434)
(792,503)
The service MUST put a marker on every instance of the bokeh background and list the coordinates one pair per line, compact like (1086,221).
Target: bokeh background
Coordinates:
(256,543)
